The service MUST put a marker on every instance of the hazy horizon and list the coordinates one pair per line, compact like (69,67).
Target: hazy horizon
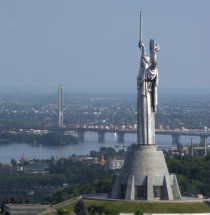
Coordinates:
(89,90)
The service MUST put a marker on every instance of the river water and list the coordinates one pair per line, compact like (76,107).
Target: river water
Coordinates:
(15,151)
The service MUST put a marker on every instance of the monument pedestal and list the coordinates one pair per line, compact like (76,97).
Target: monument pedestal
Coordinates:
(145,176)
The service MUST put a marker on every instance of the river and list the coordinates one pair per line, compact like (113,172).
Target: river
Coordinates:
(15,151)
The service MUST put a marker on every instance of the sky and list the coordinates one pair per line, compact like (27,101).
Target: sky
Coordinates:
(93,44)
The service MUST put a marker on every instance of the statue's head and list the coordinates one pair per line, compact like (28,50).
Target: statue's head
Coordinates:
(154,47)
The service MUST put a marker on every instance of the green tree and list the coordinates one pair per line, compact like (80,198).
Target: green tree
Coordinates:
(13,162)
(27,201)
(80,208)
(138,213)
(13,199)
(5,201)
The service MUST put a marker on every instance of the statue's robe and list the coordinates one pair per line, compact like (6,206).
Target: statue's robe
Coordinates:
(147,83)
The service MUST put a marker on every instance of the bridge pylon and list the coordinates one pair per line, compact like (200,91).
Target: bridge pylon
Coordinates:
(101,136)
(203,140)
(175,139)
(81,136)
(120,137)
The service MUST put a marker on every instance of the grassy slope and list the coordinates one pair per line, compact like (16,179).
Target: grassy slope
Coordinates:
(147,207)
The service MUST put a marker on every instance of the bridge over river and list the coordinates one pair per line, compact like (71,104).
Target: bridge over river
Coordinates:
(203,134)
(175,134)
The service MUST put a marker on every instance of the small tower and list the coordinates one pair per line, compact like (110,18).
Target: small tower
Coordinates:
(205,146)
(191,148)
(60,106)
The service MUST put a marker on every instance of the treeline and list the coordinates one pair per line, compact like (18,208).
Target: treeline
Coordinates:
(13,200)
(107,152)
(62,171)
(77,171)
(20,185)
(81,209)
(51,138)
(23,181)
(99,185)
(193,174)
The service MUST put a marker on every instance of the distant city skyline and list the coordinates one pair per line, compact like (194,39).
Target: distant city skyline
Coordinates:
(92,45)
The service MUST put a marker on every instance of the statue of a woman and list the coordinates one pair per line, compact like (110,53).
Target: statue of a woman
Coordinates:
(147,82)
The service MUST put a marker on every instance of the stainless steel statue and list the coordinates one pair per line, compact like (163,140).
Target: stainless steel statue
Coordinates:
(144,175)
(147,83)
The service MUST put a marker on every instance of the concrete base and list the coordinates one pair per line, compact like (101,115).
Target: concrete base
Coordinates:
(145,176)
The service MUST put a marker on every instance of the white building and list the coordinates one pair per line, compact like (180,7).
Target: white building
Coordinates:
(114,164)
